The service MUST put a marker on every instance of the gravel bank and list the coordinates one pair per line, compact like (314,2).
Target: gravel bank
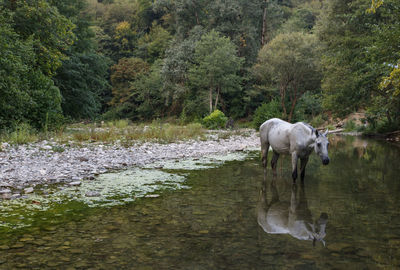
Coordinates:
(25,166)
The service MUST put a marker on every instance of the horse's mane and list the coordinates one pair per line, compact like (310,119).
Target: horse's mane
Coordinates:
(311,127)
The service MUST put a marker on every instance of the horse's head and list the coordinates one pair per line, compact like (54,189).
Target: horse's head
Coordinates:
(319,229)
(321,146)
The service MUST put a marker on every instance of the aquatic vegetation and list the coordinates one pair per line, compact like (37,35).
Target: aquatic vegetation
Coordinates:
(200,163)
(120,187)
(109,189)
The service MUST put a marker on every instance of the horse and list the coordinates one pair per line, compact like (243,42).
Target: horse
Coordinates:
(297,139)
(293,218)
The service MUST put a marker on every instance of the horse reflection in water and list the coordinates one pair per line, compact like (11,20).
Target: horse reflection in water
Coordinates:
(294,217)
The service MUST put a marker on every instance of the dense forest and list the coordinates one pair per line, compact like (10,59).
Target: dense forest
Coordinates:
(63,61)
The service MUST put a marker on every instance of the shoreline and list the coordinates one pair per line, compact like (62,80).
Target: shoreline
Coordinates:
(23,167)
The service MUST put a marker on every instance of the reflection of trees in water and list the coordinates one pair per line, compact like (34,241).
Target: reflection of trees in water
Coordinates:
(293,217)
(361,188)
(370,162)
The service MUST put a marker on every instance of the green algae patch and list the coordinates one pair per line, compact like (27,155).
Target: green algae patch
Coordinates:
(121,187)
(200,163)
(60,203)
(107,190)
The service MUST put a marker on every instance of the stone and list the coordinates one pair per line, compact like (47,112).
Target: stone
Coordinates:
(75,183)
(337,247)
(4,247)
(28,190)
(26,239)
(5,196)
(152,196)
(92,194)
(15,196)
(18,245)
(76,251)
(4,184)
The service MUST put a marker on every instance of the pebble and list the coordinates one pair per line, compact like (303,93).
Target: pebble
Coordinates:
(15,196)
(75,183)
(4,247)
(152,196)
(5,196)
(4,184)
(26,239)
(92,194)
(76,251)
(338,247)
(28,190)
(47,147)
(18,245)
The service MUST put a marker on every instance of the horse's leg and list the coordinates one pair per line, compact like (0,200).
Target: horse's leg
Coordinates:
(293,199)
(274,162)
(294,166)
(264,153)
(303,163)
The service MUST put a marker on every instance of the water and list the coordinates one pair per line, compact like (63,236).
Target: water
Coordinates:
(211,219)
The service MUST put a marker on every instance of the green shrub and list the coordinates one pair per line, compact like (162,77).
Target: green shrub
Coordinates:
(317,121)
(215,120)
(266,111)
(22,134)
(350,126)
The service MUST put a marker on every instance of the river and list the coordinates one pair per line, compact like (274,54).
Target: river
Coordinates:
(213,217)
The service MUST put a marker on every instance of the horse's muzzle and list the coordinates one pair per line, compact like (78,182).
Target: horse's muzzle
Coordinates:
(325,161)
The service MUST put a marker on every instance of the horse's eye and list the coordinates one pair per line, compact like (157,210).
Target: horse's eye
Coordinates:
(319,144)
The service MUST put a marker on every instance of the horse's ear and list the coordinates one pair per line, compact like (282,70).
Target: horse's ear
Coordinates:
(326,132)
(323,242)
(316,133)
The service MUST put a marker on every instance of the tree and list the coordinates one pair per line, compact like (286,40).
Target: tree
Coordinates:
(155,43)
(386,100)
(26,93)
(215,66)
(51,32)
(288,63)
(123,74)
(147,93)
(83,76)
(82,82)
(361,49)
(175,70)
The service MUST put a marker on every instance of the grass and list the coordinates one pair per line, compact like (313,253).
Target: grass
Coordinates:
(165,133)
(156,132)
(21,135)
(121,131)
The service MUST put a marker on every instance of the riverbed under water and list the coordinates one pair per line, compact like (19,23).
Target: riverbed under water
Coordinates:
(211,217)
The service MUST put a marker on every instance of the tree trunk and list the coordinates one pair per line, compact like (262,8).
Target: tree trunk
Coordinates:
(293,98)
(294,101)
(282,92)
(216,99)
(211,100)
(389,118)
(197,18)
(264,37)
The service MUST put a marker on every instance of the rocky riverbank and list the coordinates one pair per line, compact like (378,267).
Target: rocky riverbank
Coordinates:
(23,167)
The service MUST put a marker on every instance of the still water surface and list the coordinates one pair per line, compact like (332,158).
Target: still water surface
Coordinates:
(219,219)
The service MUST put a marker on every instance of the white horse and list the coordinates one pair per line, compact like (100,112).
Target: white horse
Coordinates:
(297,139)
(293,218)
